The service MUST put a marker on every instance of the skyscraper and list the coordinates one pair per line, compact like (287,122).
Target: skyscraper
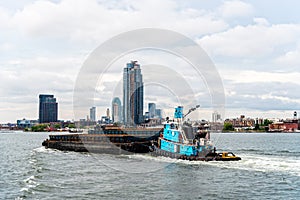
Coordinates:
(216,117)
(116,110)
(93,114)
(151,110)
(158,113)
(107,113)
(133,94)
(48,108)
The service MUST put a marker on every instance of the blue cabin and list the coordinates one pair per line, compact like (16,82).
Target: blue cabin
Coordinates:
(171,132)
(172,140)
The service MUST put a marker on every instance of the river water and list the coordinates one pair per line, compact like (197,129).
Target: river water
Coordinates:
(269,169)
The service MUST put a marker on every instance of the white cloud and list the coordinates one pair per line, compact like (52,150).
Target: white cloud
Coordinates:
(29,77)
(6,47)
(235,9)
(261,21)
(250,41)
(289,59)
(4,18)
(90,21)
(247,76)
(284,99)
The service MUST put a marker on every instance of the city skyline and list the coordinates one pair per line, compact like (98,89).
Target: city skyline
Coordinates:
(254,46)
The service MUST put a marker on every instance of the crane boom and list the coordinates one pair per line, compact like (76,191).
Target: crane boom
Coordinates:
(191,110)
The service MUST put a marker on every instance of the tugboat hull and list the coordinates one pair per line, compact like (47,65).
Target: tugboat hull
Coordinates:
(159,152)
(210,156)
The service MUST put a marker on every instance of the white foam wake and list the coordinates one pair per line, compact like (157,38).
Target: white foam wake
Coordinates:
(43,150)
(266,164)
(249,162)
(29,183)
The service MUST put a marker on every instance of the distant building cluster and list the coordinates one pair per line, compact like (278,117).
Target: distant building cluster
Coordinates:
(153,112)
(288,125)
(25,123)
(270,125)
(241,122)
(131,113)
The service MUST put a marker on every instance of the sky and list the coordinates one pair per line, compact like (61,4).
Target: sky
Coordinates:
(254,44)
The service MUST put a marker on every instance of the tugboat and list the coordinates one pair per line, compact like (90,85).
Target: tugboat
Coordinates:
(174,143)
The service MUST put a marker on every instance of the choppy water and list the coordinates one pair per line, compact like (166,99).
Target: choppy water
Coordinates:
(270,169)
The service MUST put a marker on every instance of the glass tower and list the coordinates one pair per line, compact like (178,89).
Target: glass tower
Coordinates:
(151,110)
(47,108)
(93,114)
(133,94)
(116,109)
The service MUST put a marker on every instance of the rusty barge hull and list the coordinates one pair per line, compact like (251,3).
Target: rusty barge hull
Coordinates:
(97,147)
(101,143)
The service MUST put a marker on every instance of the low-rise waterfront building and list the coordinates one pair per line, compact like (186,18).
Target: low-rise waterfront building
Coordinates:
(84,123)
(9,126)
(284,126)
(26,123)
(241,123)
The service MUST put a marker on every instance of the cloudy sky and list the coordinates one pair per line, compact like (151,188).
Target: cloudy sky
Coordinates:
(254,44)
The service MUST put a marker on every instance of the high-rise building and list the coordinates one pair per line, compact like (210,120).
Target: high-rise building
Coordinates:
(48,108)
(216,117)
(116,110)
(158,113)
(151,110)
(107,113)
(93,114)
(133,94)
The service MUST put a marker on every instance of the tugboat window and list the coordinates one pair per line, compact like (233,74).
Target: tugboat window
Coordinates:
(172,126)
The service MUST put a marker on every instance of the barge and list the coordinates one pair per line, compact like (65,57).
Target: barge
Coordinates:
(106,139)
